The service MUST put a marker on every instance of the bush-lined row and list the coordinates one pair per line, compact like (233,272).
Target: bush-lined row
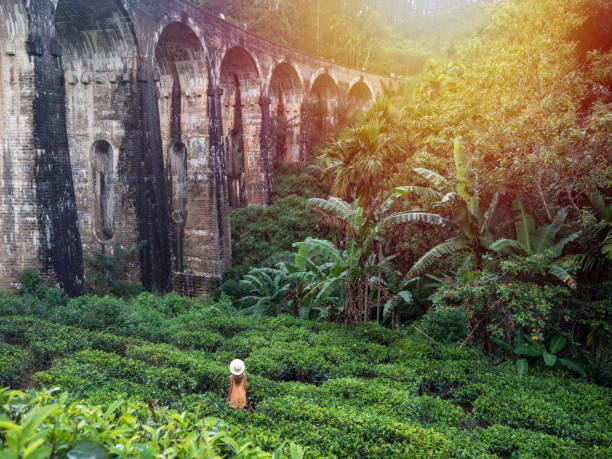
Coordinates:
(447,389)
(303,375)
(38,425)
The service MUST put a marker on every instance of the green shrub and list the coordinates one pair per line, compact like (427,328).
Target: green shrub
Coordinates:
(15,363)
(361,392)
(47,424)
(445,324)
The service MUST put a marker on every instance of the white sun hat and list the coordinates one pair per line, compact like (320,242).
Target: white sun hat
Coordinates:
(237,367)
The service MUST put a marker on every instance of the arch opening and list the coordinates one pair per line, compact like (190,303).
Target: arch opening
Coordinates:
(324,101)
(181,61)
(98,52)
(13,19)
(242,119)
(286,98)
(360,98)
(95,35)
(103,196)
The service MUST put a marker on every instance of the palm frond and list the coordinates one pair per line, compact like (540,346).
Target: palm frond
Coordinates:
(545,235)
(434,178)
(442,250)
(501,245)
(561,274)
(525,227)
(414,217)
(450,197)
(488,215)
(326,289)
(406,296)
(607,245)
(428,193)
(333,206)
(326,249)
(597,201)
(557,249)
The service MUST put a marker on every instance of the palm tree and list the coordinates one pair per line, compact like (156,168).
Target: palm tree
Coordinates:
(531,242)
(472,223)
(352,263)
(362,161)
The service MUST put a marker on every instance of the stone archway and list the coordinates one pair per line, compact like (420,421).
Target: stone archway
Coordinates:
(360,98)
(182,100)
(324,98)
(286,96)
(97,49)
(242,115)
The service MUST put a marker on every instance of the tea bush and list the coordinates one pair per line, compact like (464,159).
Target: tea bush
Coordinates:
(361,392)
(48,424)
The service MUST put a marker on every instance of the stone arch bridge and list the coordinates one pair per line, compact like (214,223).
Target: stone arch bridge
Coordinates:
(130,120)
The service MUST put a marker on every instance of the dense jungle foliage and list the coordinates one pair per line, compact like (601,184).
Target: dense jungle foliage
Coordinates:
(479,194)
(437,282)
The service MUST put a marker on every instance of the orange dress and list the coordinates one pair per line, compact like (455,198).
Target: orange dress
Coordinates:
(237,391)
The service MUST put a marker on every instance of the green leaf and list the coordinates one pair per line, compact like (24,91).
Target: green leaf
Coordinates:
(38,453)
(414,217)
(501,343)
(405,295)
(556,343)
(424,192)
(88,450)
(525,227)
(561,274)
(522,366)
(576,367)
(333,206)
(502,245)
(34,418)
(549,359)
(531,350)
(607,245)
(546,234)
(442,250)
(434,178)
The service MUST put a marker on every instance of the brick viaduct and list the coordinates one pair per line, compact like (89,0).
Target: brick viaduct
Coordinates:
(130,120)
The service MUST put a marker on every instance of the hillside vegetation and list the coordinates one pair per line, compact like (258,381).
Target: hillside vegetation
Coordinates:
(436,283)
(363,392)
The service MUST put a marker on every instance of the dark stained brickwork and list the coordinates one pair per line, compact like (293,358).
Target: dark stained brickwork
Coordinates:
(131,120)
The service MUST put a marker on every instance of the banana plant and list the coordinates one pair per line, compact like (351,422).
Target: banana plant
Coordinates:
(268,289)
(352,260)
(541,242)
(396,290)
(522,350)
(468,217)
(599,235)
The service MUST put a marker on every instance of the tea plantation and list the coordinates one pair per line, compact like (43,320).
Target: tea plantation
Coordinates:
(361,392)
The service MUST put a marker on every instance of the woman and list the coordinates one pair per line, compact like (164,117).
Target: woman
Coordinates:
(237,385)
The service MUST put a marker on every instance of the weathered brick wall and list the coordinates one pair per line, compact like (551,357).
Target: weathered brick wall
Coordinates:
(19,229)
(123,120)
(99,64)
(286,95)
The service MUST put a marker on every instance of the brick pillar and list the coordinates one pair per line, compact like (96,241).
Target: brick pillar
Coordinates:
(265,141)
(152,209)
(215,120)
(60,252)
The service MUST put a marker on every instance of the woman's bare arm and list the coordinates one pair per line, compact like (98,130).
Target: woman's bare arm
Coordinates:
(231,384)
